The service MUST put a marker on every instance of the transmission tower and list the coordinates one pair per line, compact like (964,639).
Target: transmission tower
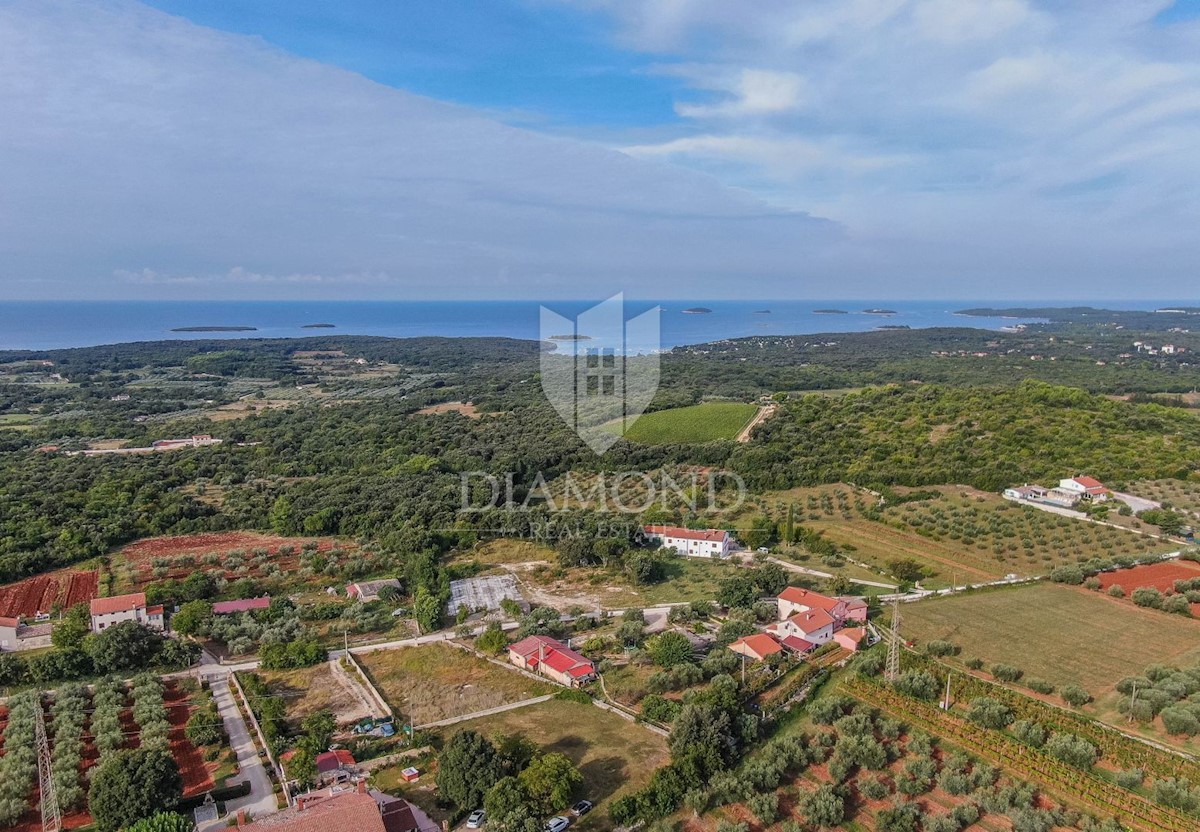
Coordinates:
(51,816)
(893,660)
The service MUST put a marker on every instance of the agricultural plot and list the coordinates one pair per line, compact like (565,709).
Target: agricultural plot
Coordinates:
(1161,576)
(698,423)
(42,593)
(1180,495)
(614,756)
(438,681)
(1063,635)
(316,688)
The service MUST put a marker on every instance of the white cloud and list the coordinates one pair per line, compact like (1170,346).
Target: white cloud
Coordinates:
(745,92)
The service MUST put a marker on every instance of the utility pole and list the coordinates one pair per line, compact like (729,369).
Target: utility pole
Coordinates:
(51,816)
(946,701)
(893,660)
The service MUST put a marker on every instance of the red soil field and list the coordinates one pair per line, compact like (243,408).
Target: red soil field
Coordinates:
(140,555)
(39,593)
(1160,576)
(197,777)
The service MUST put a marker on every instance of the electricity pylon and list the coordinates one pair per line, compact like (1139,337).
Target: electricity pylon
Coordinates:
(893,660)
(51,816)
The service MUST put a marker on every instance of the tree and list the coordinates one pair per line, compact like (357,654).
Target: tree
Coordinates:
(193,618)
(69,632)
(669,649)
(492,640)
(131,785)
(990,713)
(1075,696)
(125,646)
(427,609)
(468,767)
(644,568)
(302,767)
(318,728)
(906,570)
(770,578)
(737,591)
(549,780)
(163,822)
(1072,750)
(509,808)
(824,807)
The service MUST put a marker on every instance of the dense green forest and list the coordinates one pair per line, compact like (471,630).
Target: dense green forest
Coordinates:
(345,453)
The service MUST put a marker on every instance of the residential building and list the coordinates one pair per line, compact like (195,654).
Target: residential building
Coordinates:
(850,638)
(758,646)
(696,543)
(1025,492)
(813,625)
(109,611)
(369,590)
(241,605)
(553,659)
(8,633)
(334,766)
(1085,488)
(346,809)
(796,599)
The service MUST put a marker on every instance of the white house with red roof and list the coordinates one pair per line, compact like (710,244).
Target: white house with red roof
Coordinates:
(814,626)
(132,607)
(553,659)
(1086,488)
(795,599)
(695,543)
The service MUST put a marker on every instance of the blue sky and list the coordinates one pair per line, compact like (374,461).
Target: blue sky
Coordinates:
(575,148)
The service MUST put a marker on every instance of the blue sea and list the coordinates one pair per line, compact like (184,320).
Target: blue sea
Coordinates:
(40,325)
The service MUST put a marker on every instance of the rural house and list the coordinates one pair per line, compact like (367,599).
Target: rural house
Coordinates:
(8,633)
(815,626)
(369,590)
(552,658)
(850,638)
(758,646)
(346,809)
(1085,488)
(796,599)
(1025,492)
(695,543)
(132,607)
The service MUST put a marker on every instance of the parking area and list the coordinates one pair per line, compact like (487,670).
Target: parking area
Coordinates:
(484,593)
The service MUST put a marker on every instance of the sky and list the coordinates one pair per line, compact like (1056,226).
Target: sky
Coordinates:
(546,149)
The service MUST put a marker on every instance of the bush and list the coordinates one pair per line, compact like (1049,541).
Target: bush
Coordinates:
(1072,750)
(1075,696)
(1039,686)
(1006,672)
(1147,597)
(990,713)
(1116,591)
(1029,732)
(1130,779)
(919,685)
(942,648)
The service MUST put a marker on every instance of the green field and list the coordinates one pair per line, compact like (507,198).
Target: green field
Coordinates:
(614,755)
(698,423)
(1057,633)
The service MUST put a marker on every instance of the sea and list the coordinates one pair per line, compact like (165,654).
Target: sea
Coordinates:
(42,325)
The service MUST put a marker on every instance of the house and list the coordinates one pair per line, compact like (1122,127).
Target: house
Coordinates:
(241,605)
(816,626)
(346,809)
(1061,497)
(132,607)
(695,543)
(8,633)
(758,646)
(369,590)
(552,658)
(1085,488)
(796,645)
(1025,492)
(796,599)
(334,765)
(850,638)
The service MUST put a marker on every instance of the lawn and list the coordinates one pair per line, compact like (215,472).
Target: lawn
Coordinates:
(438,681)
(615,756)
(1057,633)
(698,423)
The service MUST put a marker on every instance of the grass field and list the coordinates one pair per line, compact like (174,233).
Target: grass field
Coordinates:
(437,681)
(615,756)
(1057,633)
(311,689)
(698,423)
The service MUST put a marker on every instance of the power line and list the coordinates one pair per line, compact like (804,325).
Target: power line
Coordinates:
(51,816)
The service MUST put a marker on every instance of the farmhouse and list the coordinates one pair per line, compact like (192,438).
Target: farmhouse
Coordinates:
(1025,492)
(796,599)
(758,646)
(696,543)
(552,658)
(1085,488)
(346,809)
(109,611)
(369,590)
(16,636)
(241,605)
(815,626)
(850,638)
(8,633)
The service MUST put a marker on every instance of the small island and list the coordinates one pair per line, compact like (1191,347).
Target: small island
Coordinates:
(570,337)
(318,326)
(830,312)
(215,329)
(697,310)
(879,311)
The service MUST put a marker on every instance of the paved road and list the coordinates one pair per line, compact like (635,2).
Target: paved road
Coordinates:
(261,801)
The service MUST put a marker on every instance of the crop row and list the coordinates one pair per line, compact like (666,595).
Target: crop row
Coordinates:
(1070,784)
(150,713)
(69,715)
(18,766)
(108,701)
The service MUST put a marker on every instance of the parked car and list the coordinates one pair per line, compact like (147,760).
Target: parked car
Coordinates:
(557,823)
(581,808)
(475,821)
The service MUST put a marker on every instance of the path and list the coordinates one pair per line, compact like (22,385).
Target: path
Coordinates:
(765,412)
(804,570)
(353,692)
(261,801)
(1079,515)
(499,709)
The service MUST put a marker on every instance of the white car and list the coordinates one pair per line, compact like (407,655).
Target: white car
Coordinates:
(475,821)
(557,824)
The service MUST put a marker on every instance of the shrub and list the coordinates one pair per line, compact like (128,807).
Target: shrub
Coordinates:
(942,648)
(1116,591)
(1039,686)
(974,663)
(1147,597)
(1075,696)
(1029,732)
(1006,672)
(1072,750)
(990,713)
(1130,779)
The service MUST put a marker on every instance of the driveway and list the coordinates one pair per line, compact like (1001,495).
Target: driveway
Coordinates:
(261,801)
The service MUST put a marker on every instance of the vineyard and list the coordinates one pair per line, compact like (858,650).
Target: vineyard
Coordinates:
(42,593)
(1067,783)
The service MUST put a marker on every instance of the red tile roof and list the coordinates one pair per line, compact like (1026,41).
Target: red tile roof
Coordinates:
(1089,482)
(241,605)
(760,644)
(557,656)
(9,622)
(798,644)
(810,621)
(810,599)
(344,812)
(715,535)
(118,603)
(333,760)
